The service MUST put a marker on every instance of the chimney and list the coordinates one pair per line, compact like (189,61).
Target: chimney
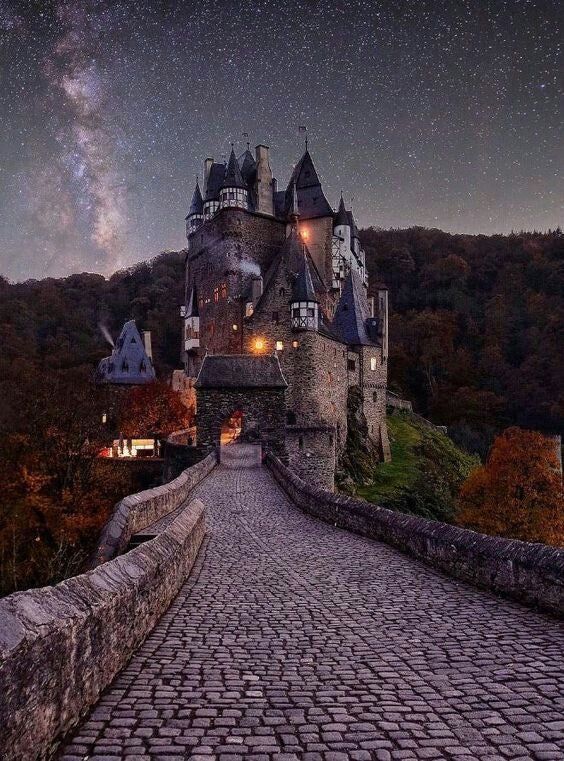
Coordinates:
(147,344)
(265,202)
(256,289)
(207,166)
(371,306)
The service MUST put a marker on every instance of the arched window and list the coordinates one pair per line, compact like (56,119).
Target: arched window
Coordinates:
(374,396)
(301,442)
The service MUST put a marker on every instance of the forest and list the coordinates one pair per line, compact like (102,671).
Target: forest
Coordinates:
(476,338)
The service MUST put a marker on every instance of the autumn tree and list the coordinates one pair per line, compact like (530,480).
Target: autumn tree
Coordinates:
(153,410)
(518,492)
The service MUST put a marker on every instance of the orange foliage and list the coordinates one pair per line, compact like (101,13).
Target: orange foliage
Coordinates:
(518,492)
(153,410)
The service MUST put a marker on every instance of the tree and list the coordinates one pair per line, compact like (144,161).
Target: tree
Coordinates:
(518,492)
(153,410)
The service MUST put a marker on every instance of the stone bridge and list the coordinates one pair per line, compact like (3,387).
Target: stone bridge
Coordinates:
(292,638)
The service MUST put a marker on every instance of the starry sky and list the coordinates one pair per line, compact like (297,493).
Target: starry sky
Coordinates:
(443,113)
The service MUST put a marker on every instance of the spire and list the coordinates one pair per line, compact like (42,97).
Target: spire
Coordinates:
(233,177)
(197,204)
(192,308)
(341,218)
(294,211)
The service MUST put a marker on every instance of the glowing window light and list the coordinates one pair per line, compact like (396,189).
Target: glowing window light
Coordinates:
(279,345)
(259,344)
(235,327)
(304,234)
(295,344)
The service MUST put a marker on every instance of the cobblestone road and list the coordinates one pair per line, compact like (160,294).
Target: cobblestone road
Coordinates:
(294,640)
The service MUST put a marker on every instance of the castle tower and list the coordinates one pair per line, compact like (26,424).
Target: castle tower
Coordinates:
(304,305)
(233,191)
(196,213)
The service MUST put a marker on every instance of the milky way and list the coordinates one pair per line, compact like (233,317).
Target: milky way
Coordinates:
(444,114)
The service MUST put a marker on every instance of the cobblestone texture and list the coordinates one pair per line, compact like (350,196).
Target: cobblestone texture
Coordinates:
(295,640)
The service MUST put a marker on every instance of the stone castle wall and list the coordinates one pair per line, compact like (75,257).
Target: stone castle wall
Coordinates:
(61,646)
(530,573)
(261,407)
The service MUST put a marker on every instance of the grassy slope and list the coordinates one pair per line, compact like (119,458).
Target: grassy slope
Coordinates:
(425,473)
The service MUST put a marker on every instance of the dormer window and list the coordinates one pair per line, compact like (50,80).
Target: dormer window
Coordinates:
(124,366)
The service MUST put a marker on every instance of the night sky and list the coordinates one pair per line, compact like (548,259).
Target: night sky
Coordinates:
(443,114)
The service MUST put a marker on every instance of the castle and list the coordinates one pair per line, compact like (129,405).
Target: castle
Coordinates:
(277,318)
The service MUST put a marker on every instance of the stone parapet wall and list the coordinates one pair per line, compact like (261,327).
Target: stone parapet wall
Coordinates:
(137,511)
(530,573)
(61,646)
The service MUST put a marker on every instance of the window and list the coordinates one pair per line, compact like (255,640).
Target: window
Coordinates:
(301,442)
(310,312)
(124,366)
(132,340)
(275,318)
(330,440)
(295,344)
(279,345)
(351,364)
(282,292)
(291,418)
(224,290)
(216,294)
(296,312)
(373,363)
(374,396)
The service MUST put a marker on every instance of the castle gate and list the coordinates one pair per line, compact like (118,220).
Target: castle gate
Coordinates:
(242,398)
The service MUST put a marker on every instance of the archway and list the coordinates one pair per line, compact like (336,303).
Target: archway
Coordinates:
(231,429)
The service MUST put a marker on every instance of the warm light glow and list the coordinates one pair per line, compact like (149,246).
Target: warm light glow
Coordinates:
(235,327)
(295,344)
(259,344)
(304,233)
(279,345)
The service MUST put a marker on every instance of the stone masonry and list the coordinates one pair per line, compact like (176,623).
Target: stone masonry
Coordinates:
(294,640)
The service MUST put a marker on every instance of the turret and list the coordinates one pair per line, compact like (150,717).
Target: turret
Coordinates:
(304,305)
(233,191)
(342,225)
(192,323)
(196,213)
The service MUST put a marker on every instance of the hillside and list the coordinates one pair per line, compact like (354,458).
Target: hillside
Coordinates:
(425,474)
(476,327)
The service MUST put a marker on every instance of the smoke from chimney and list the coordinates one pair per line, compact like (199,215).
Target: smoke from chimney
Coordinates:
(107,335)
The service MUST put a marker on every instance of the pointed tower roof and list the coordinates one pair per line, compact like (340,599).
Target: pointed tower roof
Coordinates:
(214,181)
(341,217)
(310,193)
(233,177)
(302,288)
(352,312)
(248,166)
(197,204)
(192,308)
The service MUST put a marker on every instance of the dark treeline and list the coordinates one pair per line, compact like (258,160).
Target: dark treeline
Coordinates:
(477,327)
(54,323)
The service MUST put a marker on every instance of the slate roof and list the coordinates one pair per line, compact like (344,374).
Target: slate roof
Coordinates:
(233,177)
(197,204)
(240,371)
(128,363)
(302,288)
(352,316)
(215,179)
(341,217)
(311,199)
(248,166)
